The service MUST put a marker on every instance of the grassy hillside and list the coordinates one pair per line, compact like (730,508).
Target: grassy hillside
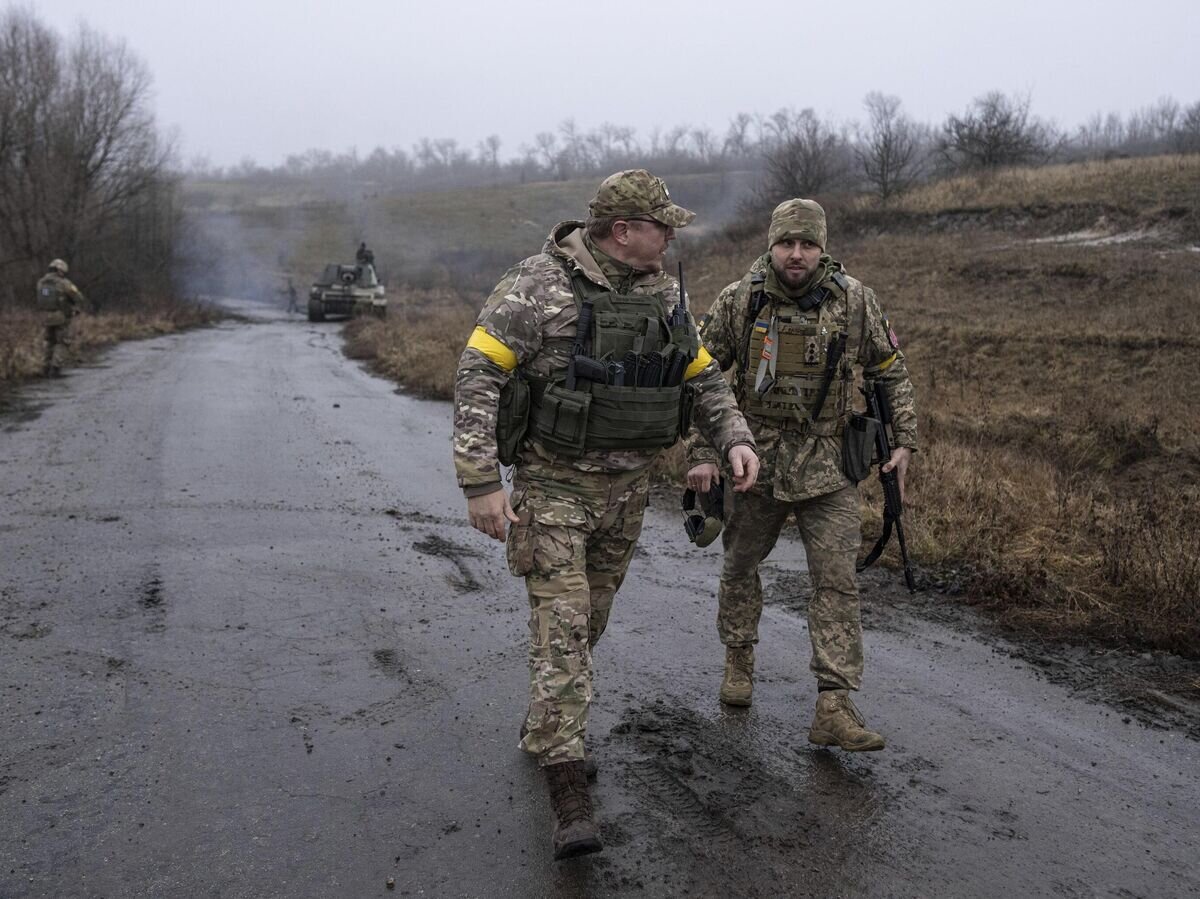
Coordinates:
(254,236)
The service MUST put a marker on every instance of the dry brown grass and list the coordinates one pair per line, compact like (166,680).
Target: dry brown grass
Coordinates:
(1132,183)
(419,343)
(21,332)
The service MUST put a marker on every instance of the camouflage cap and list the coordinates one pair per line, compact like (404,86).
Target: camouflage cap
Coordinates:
(798,220)
(58,265)
(635,192)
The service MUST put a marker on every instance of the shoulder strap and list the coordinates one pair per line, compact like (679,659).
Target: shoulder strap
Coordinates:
(755,297)
(856,319)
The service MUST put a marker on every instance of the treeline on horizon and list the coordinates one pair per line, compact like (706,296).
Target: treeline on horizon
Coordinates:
(797,152)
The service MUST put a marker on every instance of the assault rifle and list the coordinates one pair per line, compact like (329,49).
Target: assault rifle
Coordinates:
(879,407)
(679,319)
(582,365)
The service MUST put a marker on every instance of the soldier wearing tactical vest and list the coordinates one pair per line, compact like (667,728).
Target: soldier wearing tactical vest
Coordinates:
(795,327)
(581,370)
(60,301)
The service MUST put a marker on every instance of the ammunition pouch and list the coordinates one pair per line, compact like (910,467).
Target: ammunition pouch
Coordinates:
(607,417)
(858,446)
(559,417)
(634,417)
(512,418)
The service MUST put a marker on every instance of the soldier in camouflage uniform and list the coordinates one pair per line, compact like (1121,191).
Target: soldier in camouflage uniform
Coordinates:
(576,509)
(779,325)
(60,301)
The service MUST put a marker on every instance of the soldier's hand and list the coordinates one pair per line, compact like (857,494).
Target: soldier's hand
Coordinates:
(744,462)
(899,462)
(491,513)
(701,477)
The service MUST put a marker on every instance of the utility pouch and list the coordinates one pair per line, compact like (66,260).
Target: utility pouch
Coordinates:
(858,446)
(634,418)
(512,418)
(560,419)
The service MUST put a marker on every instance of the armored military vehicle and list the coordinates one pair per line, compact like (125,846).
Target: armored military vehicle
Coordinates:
(349,290)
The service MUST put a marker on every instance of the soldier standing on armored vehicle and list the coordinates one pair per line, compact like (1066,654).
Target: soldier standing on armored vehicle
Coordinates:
(590,361)
(60,301)
(795,326)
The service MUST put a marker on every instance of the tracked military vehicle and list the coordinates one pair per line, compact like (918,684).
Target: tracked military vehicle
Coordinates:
(347,290)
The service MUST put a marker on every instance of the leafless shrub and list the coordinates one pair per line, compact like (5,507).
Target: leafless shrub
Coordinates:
(802,156)
(995,131)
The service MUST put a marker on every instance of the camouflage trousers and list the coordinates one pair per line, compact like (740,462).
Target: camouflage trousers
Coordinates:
(830,528)
(57,333)
(572,544)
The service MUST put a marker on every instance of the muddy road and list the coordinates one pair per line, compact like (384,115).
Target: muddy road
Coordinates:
(250,648)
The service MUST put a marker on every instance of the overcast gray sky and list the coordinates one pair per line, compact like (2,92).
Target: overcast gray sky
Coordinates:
(264,78)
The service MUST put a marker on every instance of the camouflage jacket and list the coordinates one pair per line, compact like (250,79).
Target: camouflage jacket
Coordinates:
(798,466)
(69,298)
(533,302)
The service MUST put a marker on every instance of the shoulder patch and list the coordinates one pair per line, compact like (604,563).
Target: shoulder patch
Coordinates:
(893,340)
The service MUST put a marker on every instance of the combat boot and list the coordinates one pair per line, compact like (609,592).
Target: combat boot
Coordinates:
(838,723)
(738,683)
(575,833)
(590,768)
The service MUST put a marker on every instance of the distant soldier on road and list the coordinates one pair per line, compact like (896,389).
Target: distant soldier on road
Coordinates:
(795,326)
(60,301)
(293,299)
(582,354)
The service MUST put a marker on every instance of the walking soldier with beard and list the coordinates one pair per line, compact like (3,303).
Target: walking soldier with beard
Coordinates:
(580,371)
(795,327)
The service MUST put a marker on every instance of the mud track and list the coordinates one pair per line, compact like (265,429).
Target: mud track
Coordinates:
(249,647)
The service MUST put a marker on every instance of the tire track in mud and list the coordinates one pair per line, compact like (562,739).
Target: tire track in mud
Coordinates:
(739,805)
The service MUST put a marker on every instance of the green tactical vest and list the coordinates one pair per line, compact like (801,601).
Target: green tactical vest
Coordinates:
(50,295)
(804,341)
(604,416)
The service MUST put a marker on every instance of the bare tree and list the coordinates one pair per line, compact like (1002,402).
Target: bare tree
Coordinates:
(1187,130)
(489,152)
(80,158)
(889,147)
(737,136)
(803,155)
(996,130)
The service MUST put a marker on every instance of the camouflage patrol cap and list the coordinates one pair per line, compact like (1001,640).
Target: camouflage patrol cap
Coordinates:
(635,192)
(58,265)
(797,220)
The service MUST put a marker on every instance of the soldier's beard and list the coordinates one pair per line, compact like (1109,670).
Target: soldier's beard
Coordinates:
(790,280)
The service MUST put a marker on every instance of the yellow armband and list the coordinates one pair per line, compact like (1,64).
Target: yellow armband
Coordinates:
(492,348)
(698,364)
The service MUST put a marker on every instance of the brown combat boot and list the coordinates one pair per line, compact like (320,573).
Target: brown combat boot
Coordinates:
(838,723)
(738,683)
(575,833)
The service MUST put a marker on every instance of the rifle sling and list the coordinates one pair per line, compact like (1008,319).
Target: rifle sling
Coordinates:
(877,549)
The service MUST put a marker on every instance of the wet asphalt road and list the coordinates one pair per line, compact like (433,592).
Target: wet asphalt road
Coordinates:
(249,647)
